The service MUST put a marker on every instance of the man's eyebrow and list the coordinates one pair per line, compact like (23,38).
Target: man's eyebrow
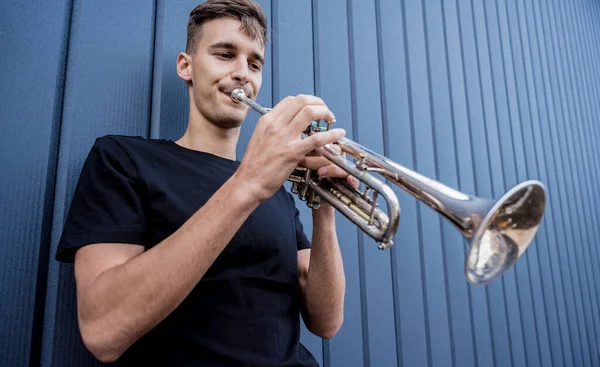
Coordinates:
(225,45)
(233,47)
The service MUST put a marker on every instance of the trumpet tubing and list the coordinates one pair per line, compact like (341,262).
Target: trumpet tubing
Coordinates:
(499,231)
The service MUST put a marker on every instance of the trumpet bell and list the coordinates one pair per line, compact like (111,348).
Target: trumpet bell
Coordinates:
(505,232)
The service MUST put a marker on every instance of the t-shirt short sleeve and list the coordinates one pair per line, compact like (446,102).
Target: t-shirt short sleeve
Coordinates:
(302,240)
(107,206)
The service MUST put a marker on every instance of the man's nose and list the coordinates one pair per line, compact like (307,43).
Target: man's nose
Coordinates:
(241,73)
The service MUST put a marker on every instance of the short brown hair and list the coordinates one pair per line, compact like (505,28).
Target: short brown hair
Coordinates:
(248,12)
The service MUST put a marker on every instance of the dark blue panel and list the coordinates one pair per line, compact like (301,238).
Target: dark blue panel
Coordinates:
(480,349)
(332,84)
(446,156)
(555,208)
(518,290)
(411,330)
(590,176)
(473,171)
(590,219)
(488,173)
(535,326)
(32,40)
(572,220)
(590,80)
(293,74)
(548,161)
(424,47)
(588,298)
(170,100)
(378,302)
(109,74)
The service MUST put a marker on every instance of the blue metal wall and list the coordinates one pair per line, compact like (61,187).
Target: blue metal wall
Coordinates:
(477,94)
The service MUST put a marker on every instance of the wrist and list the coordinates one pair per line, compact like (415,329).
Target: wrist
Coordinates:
(324,215)
(245,190)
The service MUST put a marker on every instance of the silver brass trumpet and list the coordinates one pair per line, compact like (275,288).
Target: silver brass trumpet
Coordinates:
(499,231)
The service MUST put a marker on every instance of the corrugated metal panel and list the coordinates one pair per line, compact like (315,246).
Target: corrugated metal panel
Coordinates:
(32,42)
(107,91)
(478,95)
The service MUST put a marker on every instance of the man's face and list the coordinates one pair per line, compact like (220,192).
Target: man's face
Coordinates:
(225,59)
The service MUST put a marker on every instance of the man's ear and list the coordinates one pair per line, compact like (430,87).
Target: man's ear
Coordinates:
(184,67)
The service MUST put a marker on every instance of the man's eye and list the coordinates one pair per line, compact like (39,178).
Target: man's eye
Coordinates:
(225,56)
(255,66)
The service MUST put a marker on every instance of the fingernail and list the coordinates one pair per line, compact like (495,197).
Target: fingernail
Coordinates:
(322,172)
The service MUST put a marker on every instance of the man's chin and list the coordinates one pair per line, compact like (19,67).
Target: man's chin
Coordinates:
(231,121)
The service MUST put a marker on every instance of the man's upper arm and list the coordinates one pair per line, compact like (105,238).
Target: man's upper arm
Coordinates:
(303,263)
(92,260)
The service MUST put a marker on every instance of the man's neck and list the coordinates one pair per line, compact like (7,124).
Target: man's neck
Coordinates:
(202,135)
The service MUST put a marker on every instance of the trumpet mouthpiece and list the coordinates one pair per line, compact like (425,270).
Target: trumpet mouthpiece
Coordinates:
(237,95)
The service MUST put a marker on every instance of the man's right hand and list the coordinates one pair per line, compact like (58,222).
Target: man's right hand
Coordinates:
(276,146)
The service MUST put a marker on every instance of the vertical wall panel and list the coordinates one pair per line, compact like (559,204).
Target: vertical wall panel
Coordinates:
(32,55)
(571,208)
(478,95)
(539,255)
(423,47)
(447,115)
(379,333)
(525,341)
(587,226)
(485,336)
(293,74)
(332,83)
(108,79)
(549,161)
(592,152)
(170,102)
(411,330)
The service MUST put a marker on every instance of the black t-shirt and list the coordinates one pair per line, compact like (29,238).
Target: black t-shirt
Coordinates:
(245,310)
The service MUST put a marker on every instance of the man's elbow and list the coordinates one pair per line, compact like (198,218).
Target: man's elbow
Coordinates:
(327,331)
(105,349)
(328,334)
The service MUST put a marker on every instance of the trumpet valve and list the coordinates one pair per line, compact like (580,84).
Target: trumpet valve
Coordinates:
(365,194)
(295,188)
(314,200)
(362,162)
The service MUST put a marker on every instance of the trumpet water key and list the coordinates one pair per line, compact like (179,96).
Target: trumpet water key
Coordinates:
(499,231)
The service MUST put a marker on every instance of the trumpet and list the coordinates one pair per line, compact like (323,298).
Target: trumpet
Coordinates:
(499,231)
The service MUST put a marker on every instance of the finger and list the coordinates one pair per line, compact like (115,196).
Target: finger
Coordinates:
(332,171)
(289,107)
(284,111)
(353,181)
(307,114)
(314,163)
(319,140)
(337,148)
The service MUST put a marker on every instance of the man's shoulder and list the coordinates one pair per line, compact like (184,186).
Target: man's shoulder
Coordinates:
(128,143)
(125,140)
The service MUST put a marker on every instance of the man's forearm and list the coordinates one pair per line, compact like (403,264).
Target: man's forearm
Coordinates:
(126,301)
(326,283)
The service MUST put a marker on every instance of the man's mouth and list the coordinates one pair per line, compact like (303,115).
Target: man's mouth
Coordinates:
(228,92)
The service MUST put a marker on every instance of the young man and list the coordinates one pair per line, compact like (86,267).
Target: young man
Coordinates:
(184,255)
